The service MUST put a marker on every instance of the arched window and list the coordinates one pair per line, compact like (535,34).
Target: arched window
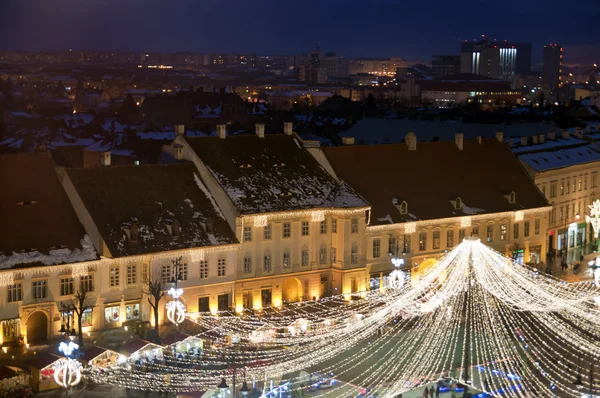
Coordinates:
(354,254)
(458,203)
(511,197)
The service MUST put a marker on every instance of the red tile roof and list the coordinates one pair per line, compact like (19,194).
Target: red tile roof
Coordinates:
(152,196)
(429,178)
(270,174)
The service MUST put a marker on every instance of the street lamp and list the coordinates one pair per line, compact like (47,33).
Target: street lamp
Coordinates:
(223,386)
(67,371)
(244,390)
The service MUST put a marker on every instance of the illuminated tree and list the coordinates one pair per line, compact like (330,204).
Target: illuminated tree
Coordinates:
(156,293)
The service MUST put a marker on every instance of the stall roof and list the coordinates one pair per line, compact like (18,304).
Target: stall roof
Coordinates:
(93,352)
(136,345)
(42,360)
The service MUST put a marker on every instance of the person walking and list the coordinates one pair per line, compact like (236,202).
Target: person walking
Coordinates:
(437,391)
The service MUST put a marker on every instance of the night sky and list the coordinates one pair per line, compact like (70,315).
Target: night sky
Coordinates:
(409,29)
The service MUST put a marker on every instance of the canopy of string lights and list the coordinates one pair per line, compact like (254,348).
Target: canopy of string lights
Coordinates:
(474,318)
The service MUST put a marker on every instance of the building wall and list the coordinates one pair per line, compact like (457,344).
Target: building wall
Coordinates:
(569,206)
(530,248)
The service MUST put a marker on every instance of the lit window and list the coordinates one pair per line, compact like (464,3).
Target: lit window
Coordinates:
(436,240)
(490,233)
(66,286)
(422,241)
(450,238)
(114,276)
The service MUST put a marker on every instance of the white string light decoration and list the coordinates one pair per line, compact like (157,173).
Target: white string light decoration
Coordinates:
(175,312)
(67,371)
(475,316)
(594,217)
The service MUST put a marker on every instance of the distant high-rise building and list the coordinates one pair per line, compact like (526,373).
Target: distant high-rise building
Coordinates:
(317,68)
(501,60)
(553,54)
(445,65)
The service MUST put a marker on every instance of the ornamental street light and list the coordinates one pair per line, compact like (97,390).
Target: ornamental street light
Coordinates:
(67,371)
(176,309)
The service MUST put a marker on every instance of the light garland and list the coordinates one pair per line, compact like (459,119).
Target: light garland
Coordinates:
(67,371)
(594,217)
(262,219)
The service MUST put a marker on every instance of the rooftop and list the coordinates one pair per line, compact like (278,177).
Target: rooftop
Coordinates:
(39,226)
(561,157)
(159,199)
(271,174)
(430,178)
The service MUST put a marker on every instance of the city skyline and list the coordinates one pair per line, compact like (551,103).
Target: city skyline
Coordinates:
(360,29)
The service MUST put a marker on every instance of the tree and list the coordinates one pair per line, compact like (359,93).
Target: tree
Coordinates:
(128,107)
(156,293)
(80,307)
(515,252)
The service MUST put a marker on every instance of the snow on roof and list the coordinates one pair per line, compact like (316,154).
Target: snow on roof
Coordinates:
(556,159)
(77,119)
(146,195)
(273,173)
(62,142)
(548,144)
(379,131)
(167,135)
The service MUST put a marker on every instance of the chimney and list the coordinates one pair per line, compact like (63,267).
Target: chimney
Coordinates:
(179,130)
(178,152)
(535,139)
(411,141)
(523,141)
(551,135)
(288,128)
(459,140)
(260,130)
(541,138)
(500,136)
(105,160)
(221,131)
(347,140)
(479,139)
(565,135)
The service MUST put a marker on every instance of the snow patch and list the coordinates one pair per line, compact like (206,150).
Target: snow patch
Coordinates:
(208,195)
(471,210)
(56,256)
(387,218)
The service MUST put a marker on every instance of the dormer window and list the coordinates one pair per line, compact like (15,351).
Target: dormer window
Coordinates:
(285,195)
(26,203)
(458,203)
(207,225)
(173,227)
(280,164)
(245,166)
(511,197)
(404,208)
(131,231)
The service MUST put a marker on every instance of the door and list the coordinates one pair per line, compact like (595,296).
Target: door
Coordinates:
(37,328)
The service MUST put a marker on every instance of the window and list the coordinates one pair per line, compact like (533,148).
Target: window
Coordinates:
(305,228)
(87,283)
(516,231)
(503,231)
(323,255)
(568,186)
(574,183)
(39,289)
(323,227)
(585,182)
(204,304)
(450,238)
(221,267)
(305,257)
(287,230)
(526,228)
(132,311)
(579,184)
(183,271)
(436,239)
(562,213)
(111,314)
(333,255)
(114,276)
(553,215)
(266,297)
(286,259)
(165,274)
(354,254)
(66,286)
(422,241)
(144,273)
(461,235)
(334,226)
(376,248)
(267,232)
(223,302)
(203,269)
(86,319)
(553,189)
(594,182)
(392,245)
(475,231)
(490,233)
(267,262)
(544,190)
(131,274)
(536,227)
(354,225)
(15,293)
(247,234)
(562,188)
(407,244)
(247,264)
(404,208)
